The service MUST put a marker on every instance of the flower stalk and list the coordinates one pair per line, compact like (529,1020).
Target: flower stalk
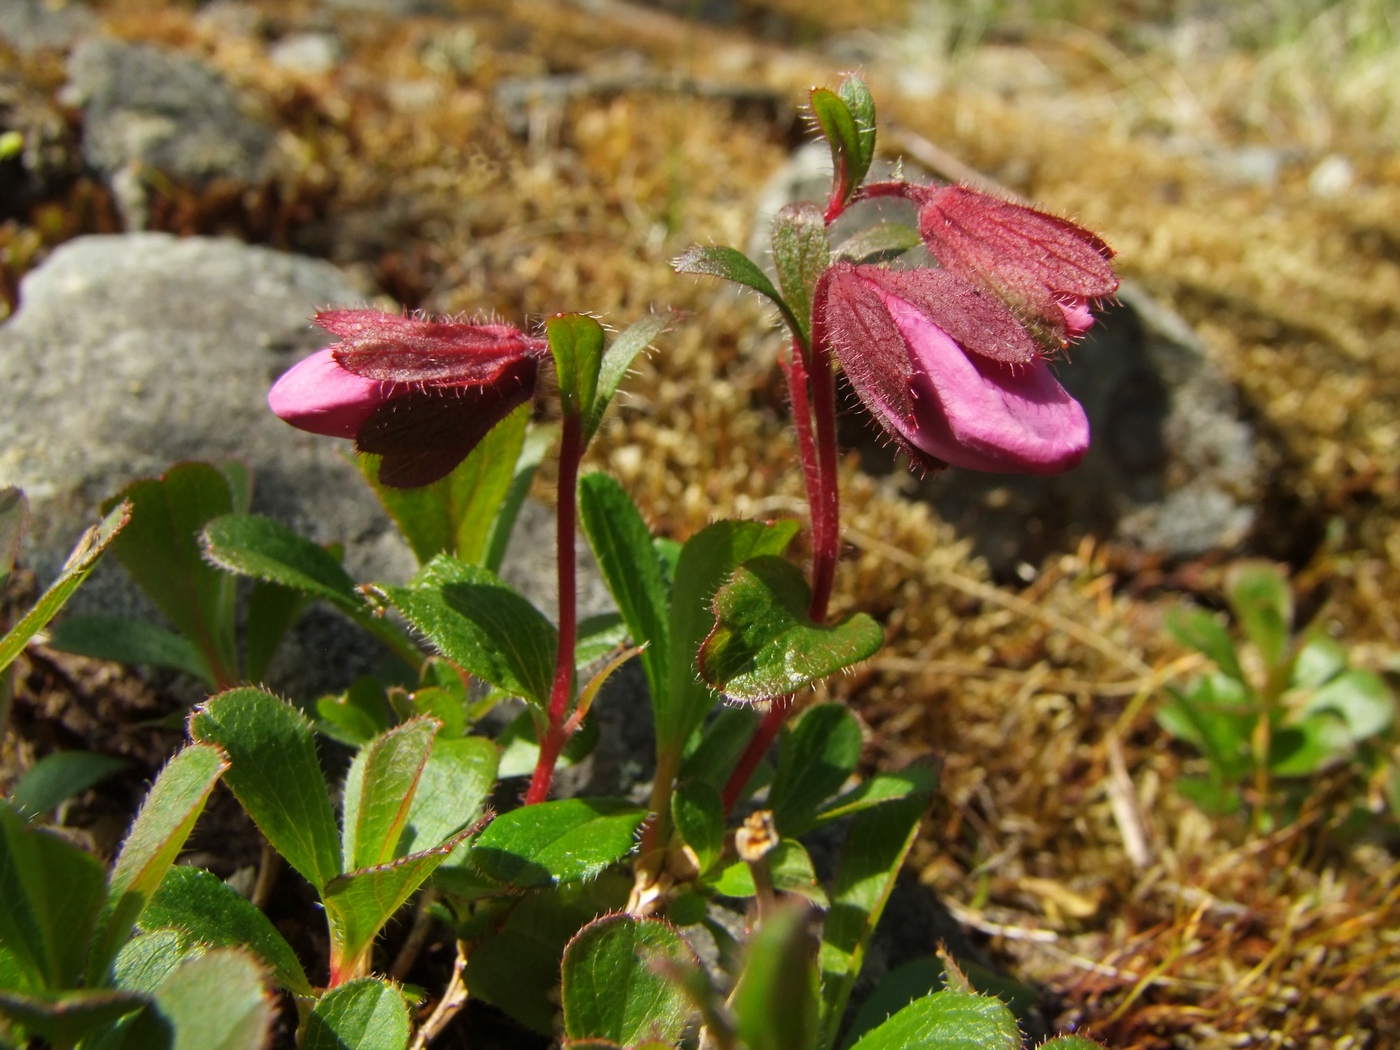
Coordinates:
(557,733)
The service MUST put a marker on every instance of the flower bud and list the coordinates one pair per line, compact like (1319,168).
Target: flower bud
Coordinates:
(948,371)
(420,393)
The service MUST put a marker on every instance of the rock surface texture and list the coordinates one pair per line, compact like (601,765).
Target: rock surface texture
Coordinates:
(145,107)
(130,353)
(34,25)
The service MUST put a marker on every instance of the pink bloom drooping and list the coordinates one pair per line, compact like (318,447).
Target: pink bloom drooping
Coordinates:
(1048,270)
(948,371)
(419,393)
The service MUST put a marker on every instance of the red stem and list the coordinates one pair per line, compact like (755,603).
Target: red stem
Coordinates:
(824,499)
(570,452)
(827,541)
(796,372)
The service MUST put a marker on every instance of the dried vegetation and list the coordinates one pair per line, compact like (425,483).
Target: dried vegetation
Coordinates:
(535,155)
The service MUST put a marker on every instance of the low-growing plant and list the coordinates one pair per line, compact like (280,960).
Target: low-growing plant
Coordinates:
(578,917)
(1280,706)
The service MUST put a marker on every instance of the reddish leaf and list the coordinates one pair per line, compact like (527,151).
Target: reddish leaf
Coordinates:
(394,349)
(423,435)
(1035,260)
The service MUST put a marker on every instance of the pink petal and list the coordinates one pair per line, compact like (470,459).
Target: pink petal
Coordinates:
(1079,317)
(317,395)
(984,415)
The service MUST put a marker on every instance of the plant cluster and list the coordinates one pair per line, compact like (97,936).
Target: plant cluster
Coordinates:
(1279,707)
(567,912)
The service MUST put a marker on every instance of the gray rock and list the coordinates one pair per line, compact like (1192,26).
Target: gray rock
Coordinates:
(133,352)
(146,107)
(35,25)
(129,353)
(1173,469)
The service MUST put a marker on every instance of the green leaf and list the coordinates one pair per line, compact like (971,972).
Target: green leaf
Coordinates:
(622,543)
(763,645)
(214,1002)
(879,243)
(733,265)
(778,970)
(790,867)
(452,791)
(706,561)
(698,813)
(925,976)
(1070,1042)
(359,903)
(52,892)
(617,360)
(801,254)
(537,443)
(357,715)
(257,546)
(1319,661)
(1210,795)
(1302,749)
(213,913)
(861,104)
(75,570)
(162,825)
(267,550)
(516,968)
(58,777)
(478,621)
(454,515)
(598,636)
(1201,631)
(838,124)
(914,779)
(557,842)
(1260,597)
(160,549)
(130,642)
(950,1021)
(363,1014)
(63,1018)
(1217,715)
(1361,699)
(576,342)
(876,844)
(718,748)
(817,755)
(272,610)
(274,773)
(148,959)
(611,989)
(14,517)
(379,790)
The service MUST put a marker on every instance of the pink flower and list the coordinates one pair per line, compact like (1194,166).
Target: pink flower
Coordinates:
(419,393)
(948,371)
(1047,269)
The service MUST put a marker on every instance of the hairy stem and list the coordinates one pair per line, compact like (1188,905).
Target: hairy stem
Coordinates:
(823,499)
(827,503)
(570,452)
